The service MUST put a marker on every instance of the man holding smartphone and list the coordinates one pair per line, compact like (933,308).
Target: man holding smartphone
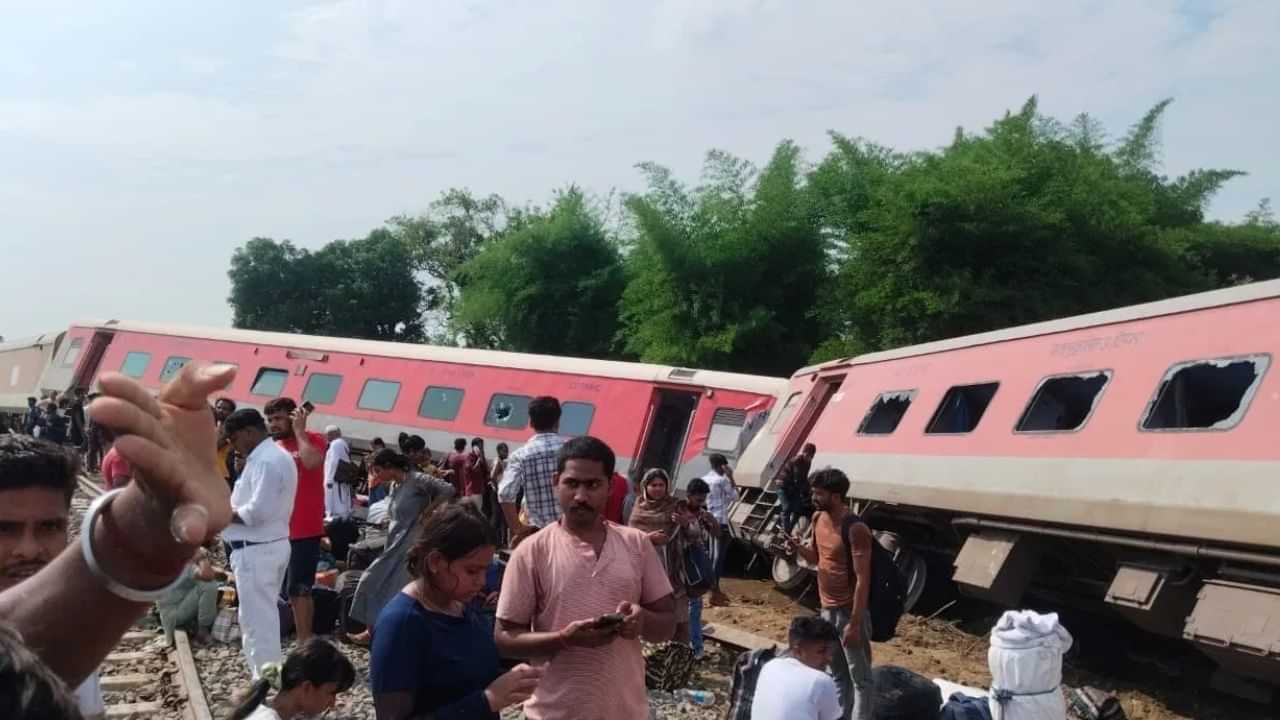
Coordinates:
(288,425)
(579,594)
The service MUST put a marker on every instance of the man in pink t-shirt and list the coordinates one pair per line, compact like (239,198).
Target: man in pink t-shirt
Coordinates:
(564,581)
(116,472)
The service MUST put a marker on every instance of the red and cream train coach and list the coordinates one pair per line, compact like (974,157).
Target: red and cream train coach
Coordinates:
(651,415)
(1127,458)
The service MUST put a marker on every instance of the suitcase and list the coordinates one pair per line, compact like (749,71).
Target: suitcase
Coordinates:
(346,592)
(325,619)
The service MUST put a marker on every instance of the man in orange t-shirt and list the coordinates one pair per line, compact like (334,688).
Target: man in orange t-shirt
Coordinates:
(288,426)
(844,591)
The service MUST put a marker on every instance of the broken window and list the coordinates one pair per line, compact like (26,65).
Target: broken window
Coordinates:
(886,412)
(1063,402)
(1211,394)
(961,408)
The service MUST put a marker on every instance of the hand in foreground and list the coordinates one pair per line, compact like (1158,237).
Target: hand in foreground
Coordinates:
(657,537)
(299,417)
(584,633)
(512,687)
(631,620)
(171,443)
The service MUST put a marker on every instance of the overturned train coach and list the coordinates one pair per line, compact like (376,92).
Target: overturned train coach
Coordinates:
(1125,459)
(651,415)
(27,370)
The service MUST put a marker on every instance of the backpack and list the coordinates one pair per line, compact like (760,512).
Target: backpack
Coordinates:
(746,673)
(888,593)
(700,574)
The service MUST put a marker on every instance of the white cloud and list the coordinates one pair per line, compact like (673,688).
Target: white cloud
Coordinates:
(178,137)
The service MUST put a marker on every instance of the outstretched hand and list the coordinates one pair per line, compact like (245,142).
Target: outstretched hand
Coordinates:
(171,443)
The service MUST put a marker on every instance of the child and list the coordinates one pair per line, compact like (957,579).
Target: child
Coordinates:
(307,684)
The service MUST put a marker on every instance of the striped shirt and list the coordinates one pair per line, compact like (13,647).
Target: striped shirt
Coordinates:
(554,579)
(532,468)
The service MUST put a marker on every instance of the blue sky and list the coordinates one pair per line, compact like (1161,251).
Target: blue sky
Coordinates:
(141,142)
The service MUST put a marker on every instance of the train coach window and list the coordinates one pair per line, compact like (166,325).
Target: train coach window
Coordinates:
(784,414)
(507,411)
(322,388)
(172,367)
(379,395)
(270,382)
(1064,402)
(1205,394)
(726,426)
(135,364)
(73,353)
(886,412)
(961,409)
(575,418)
(440,403)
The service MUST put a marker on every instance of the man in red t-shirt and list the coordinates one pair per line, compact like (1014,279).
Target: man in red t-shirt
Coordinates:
(288,425)
(457,462)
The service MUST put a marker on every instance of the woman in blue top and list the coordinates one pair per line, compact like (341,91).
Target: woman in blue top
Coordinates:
(433,652)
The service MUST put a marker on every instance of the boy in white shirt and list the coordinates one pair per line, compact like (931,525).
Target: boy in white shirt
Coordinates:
(796,686)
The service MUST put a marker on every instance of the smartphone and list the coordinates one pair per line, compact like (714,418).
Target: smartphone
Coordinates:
(308,406)
(608,621)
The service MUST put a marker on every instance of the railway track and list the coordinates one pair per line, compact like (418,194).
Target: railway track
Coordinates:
(137,680)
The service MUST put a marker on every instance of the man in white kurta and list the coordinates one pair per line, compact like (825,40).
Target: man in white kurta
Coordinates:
(258,535)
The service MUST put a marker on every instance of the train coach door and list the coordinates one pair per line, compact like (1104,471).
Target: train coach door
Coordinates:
(667,428)
(805,418)
(91,359)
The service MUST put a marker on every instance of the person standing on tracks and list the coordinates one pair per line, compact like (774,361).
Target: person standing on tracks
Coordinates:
(31,418)
(581,593)
(37,480)
(531,470)
(222,409)
(723,494)
(261,503)
(339,493)
(844,591)
(456,463)
(288,425)
(475,478)
(793,486)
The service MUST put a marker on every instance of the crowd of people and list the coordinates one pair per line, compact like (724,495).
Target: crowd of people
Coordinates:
(595,567)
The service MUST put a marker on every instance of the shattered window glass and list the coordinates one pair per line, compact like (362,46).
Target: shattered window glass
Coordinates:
(961,409)
(886,412)
(1064,402)
(507,411)
(1206,394)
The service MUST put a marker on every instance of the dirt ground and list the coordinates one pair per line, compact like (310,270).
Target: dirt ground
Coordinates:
(953,646)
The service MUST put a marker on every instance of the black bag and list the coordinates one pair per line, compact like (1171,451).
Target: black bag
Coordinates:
(346,590)
(966,707)
(904,695)
(326,610)
(347,473)
(286,617)
(746,672)
(700,574)
(888,594)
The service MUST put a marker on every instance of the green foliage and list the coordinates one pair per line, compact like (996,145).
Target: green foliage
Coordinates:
(765,270)
(1026,221)
(350,288)
(454,230)
(725,275)
(549,284)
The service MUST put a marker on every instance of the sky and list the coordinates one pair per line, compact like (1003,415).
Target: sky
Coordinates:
(142,142)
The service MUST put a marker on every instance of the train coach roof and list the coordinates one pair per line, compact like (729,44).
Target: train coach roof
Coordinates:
(1172,306)
(28,342)
(464,356)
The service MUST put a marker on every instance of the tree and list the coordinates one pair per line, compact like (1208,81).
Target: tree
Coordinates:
(1027,221)
(362,288)
(549,284)
(454,230)
(725,276)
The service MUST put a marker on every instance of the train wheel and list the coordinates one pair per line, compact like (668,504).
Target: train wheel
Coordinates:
(911,566)
(788,574)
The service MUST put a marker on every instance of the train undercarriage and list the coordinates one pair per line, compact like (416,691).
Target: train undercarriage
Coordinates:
(1223,601)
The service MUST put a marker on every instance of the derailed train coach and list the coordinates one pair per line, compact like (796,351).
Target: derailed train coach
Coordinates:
(27,370)
(1125,460)
(652,415)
